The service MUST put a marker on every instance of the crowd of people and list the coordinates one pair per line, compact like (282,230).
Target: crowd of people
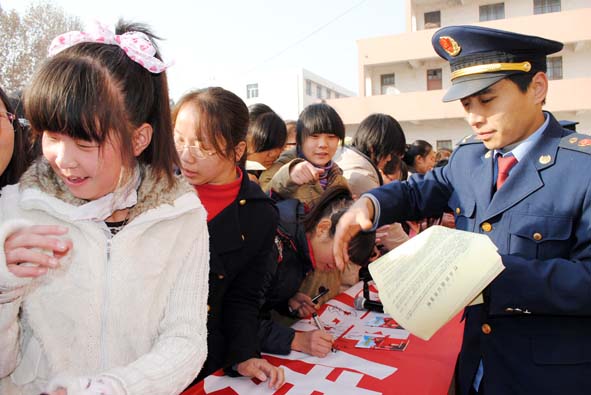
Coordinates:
(146,247)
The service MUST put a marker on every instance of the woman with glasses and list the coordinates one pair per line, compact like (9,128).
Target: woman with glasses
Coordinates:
(14,156)
(210,127)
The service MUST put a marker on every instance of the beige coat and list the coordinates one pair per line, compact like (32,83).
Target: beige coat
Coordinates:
(277,179)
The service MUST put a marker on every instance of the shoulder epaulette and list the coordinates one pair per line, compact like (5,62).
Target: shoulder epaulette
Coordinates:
(576,142)
(470,139)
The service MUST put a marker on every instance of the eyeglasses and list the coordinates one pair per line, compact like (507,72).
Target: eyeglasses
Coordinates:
(195,150)
(8,115)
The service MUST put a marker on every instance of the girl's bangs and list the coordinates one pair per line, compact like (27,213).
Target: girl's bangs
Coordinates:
(73,97)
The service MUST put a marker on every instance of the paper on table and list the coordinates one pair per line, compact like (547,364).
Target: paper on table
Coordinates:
(426,281)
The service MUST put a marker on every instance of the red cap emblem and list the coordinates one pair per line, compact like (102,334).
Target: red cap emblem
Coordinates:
(449,45)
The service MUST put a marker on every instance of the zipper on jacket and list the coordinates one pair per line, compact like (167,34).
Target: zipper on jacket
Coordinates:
(103,340)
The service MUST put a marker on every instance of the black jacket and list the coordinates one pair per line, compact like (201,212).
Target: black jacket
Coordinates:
(242,258)
(294,264)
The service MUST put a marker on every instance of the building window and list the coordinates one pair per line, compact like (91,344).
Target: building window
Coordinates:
(444,144)
(434,79)
(319,91)
(491,12)
(308,87)
(432,19)
(328,93)
(546,6)
(337,95)
(554,65)
(252,90)
(388,83)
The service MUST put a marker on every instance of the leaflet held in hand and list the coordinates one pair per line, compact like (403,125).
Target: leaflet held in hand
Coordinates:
(429,279)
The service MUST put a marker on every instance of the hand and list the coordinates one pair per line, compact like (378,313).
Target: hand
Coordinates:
(305,172)
(316,343)
(382,233)
(303,304)
(262,369)
(20,247)
(358,217)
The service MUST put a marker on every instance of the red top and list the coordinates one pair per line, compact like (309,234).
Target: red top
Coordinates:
(215,198)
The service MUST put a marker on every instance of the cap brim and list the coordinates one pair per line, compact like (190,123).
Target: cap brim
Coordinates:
(469,85)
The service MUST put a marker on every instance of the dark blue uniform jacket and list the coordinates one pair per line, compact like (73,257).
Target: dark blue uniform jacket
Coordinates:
(533,333)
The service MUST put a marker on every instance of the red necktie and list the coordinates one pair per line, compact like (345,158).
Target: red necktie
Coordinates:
(505,164)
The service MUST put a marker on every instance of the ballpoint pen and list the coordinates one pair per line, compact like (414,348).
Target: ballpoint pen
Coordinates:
(319,325)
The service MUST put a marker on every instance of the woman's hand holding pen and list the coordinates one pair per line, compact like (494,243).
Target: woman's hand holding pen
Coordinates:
(302,304)
(317,343)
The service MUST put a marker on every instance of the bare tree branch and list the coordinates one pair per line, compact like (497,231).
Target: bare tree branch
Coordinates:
(24,40)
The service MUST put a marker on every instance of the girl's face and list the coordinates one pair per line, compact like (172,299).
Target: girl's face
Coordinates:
(425,163)
(200,163)
(321,243)
(266,158)
(319,148)
(6,138)
(89,171)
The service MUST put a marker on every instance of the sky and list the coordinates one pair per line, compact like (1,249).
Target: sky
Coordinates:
(209,38)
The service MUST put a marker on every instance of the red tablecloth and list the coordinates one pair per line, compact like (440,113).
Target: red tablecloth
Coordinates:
(425,367)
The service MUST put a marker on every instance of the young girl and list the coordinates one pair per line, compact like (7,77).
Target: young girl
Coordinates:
(419,157)
(266,138)
(14,147)
(210,131)
(304,244)
(103,272)
(305,172)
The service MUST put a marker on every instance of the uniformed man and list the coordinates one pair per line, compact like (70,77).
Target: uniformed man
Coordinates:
(524,181)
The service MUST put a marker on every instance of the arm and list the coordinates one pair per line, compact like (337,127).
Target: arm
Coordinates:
(420,197)
(19,242)
(275,338)
(244,296)
(11,291)
(282,183)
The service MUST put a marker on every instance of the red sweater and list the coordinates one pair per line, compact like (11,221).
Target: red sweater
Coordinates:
(215,198)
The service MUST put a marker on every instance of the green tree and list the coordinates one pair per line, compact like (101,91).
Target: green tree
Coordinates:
(24,40)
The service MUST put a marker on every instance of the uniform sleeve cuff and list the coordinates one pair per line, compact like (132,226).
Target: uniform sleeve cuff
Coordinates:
(376,211)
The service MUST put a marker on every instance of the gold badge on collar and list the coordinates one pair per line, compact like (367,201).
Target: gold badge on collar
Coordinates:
(545,159)
(450,45)
(573,140)
(487,155)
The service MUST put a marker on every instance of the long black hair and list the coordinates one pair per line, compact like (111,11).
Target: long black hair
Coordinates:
(20,158)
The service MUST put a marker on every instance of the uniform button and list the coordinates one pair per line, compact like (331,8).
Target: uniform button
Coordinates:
(208,308)
(509,310)
(242,202)
(221,276)
(458,210)
(242,237)
(486,227)
(486,329)
(537,236)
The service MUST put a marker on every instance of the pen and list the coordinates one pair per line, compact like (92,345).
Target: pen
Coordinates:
(321,292)
(319,325)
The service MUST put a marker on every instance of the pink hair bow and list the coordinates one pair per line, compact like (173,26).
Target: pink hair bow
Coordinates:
(136,45)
